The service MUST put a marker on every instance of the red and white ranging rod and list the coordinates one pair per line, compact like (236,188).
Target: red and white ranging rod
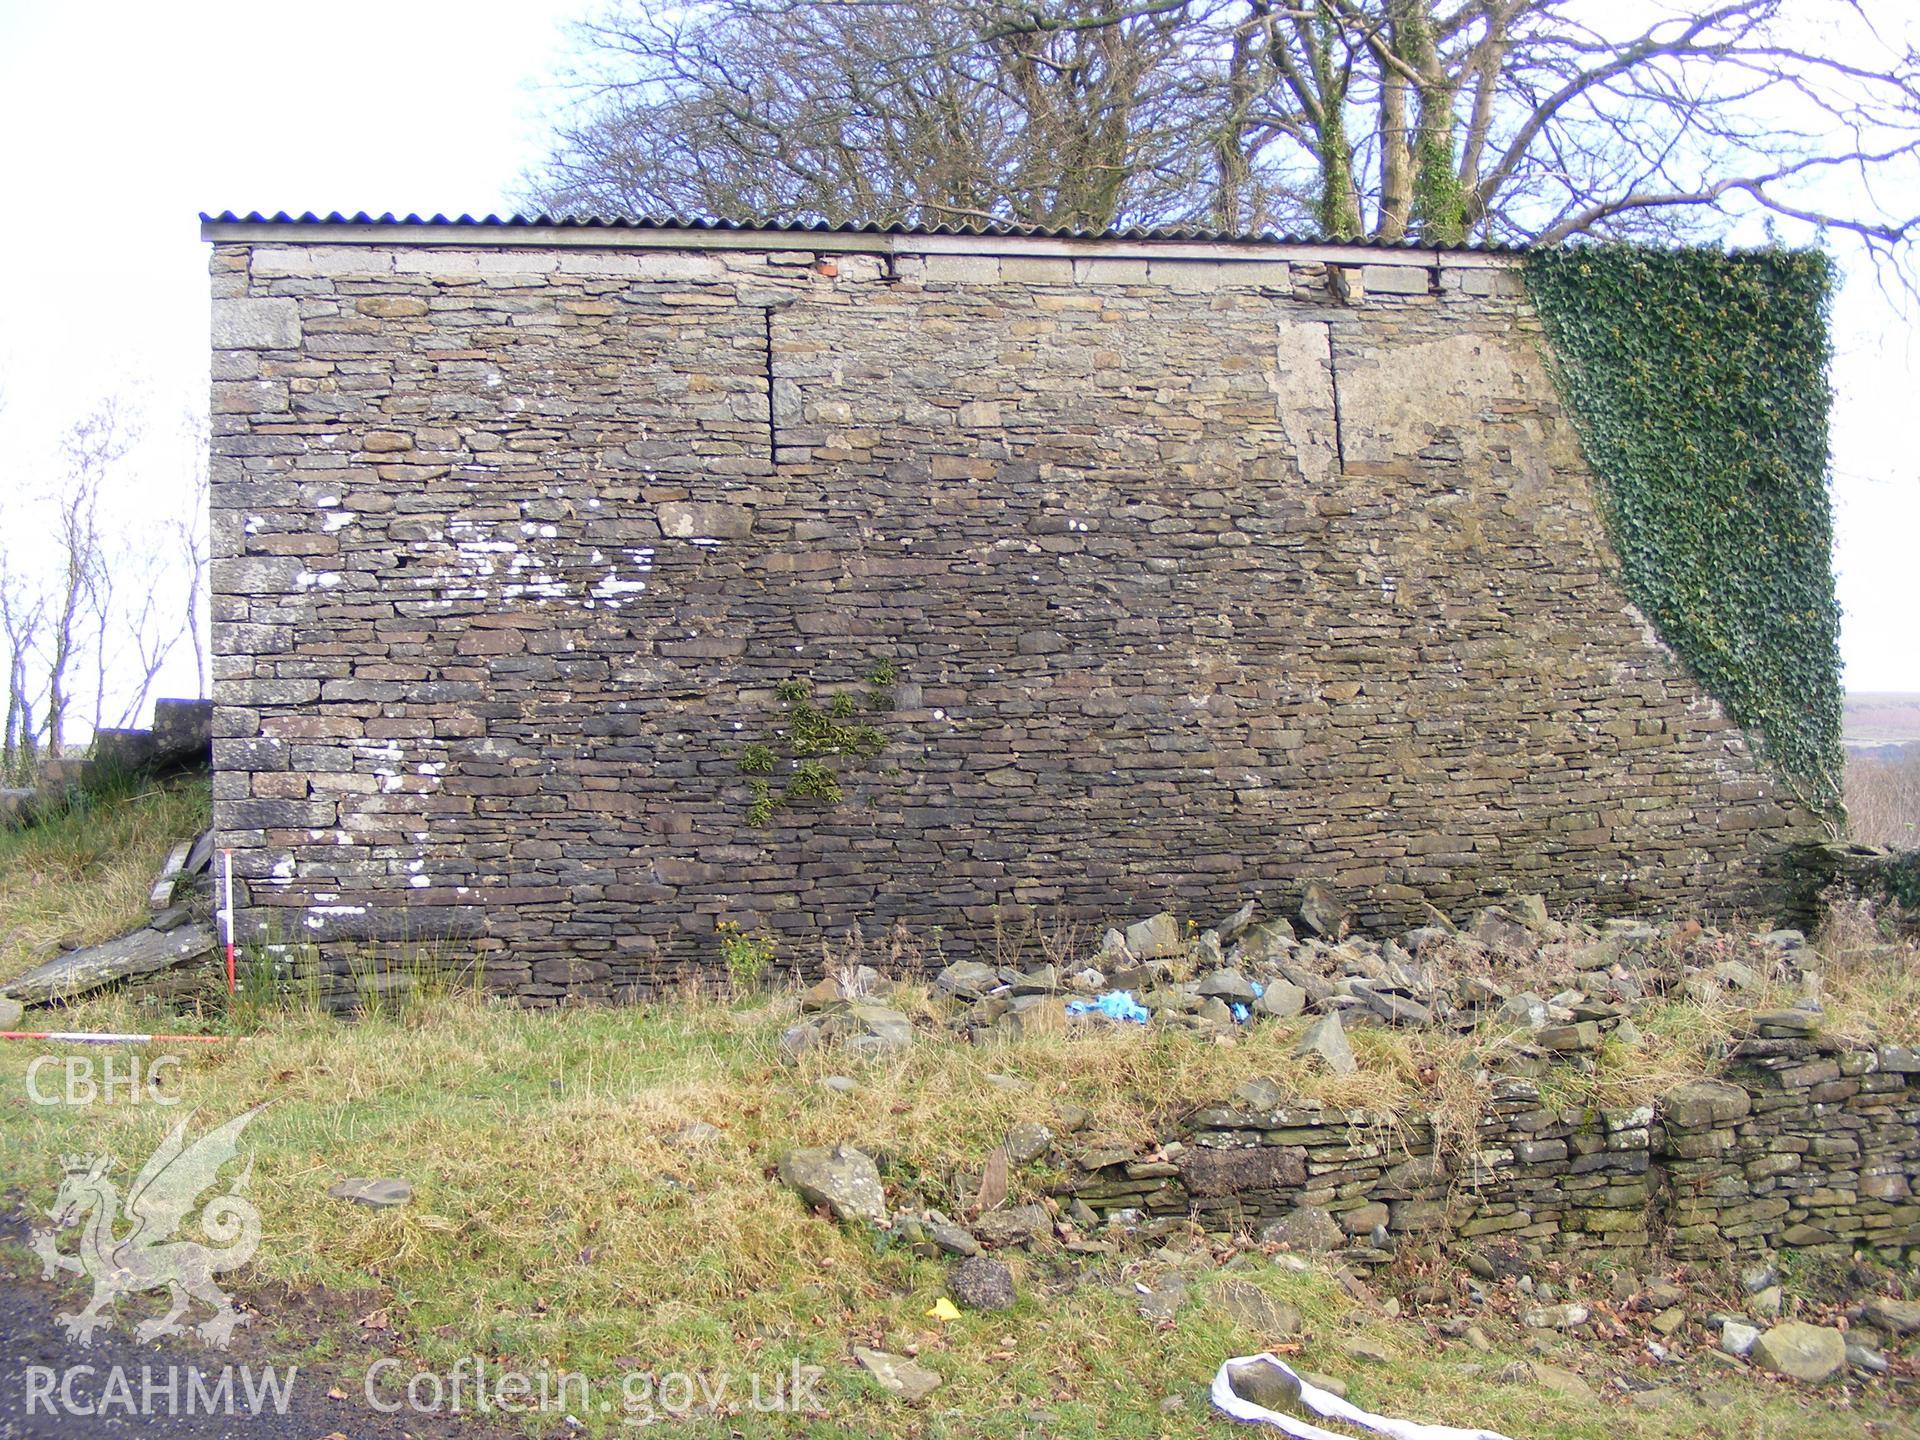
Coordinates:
(226,913)
(98,1037)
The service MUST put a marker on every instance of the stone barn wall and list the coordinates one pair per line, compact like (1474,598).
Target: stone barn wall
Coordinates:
(1202,570)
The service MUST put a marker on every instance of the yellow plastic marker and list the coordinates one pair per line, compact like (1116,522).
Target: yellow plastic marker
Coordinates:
(944,1309)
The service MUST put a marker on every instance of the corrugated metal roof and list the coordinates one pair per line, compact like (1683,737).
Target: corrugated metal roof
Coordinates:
(1173,233)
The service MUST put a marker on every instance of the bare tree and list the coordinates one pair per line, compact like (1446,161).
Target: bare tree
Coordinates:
(1444,120)
(188,531)
(144,597)
(850,112)
(94,596)
(20,616)
(137,625)
(14,754)
(83,584)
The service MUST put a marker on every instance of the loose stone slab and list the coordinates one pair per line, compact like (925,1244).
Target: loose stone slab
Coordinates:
(953,1239)
(1805,1352)
(1327,1039)
(695,1135)
(897,1374)
(1899,1317)
(1155,938)
(144,952)
(968,979)
(979,1283)
(1267,1318)
(1027,1141)
(1864,1358)
(161,896)
(1322,910)
(381,1194)
(1015,1225)
(1562,1382)
(1555,1317)
(1281,1000)
(842,1179)
(1226,985)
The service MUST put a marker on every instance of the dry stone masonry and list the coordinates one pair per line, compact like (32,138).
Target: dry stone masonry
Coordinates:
(1805,1143)
(1194,571)
(1551,1132)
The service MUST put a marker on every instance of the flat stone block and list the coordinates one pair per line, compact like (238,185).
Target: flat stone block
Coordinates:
(270,324)
(375,1194)
(1036,270)
(1109,272)
(279,262)
(1396,279)
(963,269)
(702,520)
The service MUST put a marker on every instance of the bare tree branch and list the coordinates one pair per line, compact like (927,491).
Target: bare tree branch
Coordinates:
(1446,119)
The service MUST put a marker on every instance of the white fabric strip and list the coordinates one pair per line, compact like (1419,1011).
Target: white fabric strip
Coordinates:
(1327,1406)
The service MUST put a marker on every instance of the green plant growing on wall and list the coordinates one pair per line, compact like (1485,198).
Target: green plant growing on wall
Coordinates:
(816,736)
(747,954)
(1697,381)
(880,682)
(813,780)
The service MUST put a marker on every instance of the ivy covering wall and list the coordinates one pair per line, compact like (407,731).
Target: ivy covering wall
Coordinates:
(1698,383)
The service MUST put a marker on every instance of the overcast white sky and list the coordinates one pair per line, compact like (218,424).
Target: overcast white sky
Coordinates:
(125,119)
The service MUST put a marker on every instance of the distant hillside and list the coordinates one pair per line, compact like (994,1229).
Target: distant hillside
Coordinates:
(1882,725)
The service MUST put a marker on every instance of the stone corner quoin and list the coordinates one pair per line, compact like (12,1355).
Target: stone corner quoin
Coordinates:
(1195,572)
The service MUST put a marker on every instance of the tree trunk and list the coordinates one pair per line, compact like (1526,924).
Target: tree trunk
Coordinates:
(1439,203)
(1339,207)
(1396,160)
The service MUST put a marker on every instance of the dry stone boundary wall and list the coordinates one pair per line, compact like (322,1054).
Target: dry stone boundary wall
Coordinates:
(1803,1143)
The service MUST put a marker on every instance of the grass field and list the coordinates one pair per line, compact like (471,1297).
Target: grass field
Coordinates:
(1883,783)
(1883,799)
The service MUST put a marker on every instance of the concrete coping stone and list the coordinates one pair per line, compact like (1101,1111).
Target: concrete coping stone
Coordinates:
(548,238)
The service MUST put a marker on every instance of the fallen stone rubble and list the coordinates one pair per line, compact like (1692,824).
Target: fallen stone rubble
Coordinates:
(180,740)
(1562,989)
(1803,1141)
(1661,1330)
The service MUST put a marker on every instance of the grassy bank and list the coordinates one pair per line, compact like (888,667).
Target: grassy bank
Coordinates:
(559,1220)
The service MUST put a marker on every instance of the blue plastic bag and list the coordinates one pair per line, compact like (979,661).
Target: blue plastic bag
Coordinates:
(1115,1005)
